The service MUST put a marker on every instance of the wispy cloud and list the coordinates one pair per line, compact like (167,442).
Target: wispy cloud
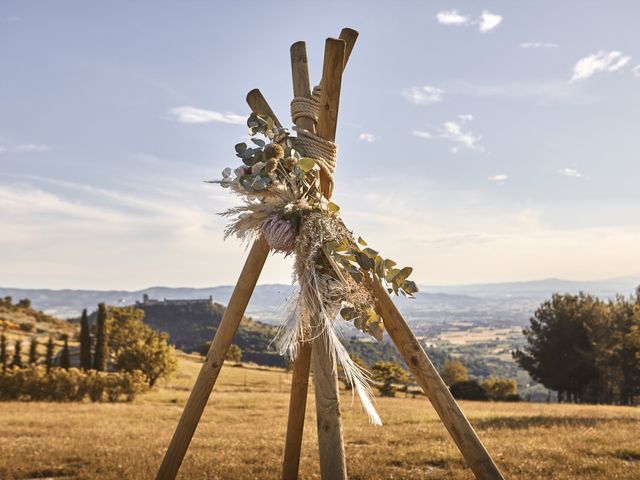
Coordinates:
(499,179)
(538,45)
(453,132)
(452,17)
(367,137)
(188,114)
(636,71)
(599,62)
(570,172)
(24,148)
(486,22)
(425,95)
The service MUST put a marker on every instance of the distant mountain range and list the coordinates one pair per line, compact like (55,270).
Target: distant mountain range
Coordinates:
(492,303)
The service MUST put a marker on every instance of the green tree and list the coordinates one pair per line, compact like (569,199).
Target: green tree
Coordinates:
(559,351)
(616,352)
(65,359)
(453,372)
(125,326)
(48,359)
(17,355)
(234,354)
(24,303)
(501,389)
(100,359)
(85,342)
(33,351)
(388,373)
(3,351)
(152,355)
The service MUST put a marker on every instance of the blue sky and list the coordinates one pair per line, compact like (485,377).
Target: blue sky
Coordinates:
(479,141)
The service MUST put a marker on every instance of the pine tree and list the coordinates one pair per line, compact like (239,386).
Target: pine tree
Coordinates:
(65,360)
(85,342)
(3,351)
(17,358)
(48,361)
(33,351)
(101,355)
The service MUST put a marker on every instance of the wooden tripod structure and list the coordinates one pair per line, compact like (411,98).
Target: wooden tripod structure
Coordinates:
(330,440)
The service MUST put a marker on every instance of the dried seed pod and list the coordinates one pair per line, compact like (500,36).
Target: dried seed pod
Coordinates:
(274,150)
(290,163)
(270,166)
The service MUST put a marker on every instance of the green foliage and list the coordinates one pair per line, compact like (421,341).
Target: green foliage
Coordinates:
(151,354)
(85,342)
(35,383)
(65,359)
(3,351)
(501,389)
(33,351)
(234,354)
(48,360)
(17,355)
(101,357)
(388,373)
(468,390)
(454,372)
(584,348)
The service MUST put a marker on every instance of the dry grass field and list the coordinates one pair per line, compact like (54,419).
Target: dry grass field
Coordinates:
(241,436)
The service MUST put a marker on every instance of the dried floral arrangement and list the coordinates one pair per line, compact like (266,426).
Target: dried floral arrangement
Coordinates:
(282,201)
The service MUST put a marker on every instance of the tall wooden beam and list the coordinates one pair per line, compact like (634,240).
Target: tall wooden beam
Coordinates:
(443,402)
(214,361)
(302,362)
(224,336)
(325,371)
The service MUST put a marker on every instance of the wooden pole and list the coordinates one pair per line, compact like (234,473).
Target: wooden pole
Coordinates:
(301,365)
(222,340)
(325,371)
(214,361)
(443,402)
(302,362)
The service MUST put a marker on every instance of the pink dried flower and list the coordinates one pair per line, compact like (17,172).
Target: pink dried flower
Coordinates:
(279,233)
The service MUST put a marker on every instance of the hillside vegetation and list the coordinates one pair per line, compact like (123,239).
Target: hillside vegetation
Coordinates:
(241,435)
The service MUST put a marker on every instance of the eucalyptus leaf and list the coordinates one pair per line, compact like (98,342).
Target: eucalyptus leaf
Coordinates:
(306,164)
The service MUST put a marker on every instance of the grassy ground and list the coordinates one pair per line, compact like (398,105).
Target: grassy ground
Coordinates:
(242,432)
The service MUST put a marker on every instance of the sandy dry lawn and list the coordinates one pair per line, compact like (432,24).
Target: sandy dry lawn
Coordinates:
(241,436)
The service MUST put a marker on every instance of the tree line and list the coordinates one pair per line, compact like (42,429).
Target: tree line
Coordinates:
(120,347)
(586,349)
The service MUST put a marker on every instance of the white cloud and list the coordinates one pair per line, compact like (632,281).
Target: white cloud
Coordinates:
(367,137)
(452,131)
(452,17)
(421,134)
(570,172)
(500,178)
(24,148)
(538,45)
(636,71)
(425,95)
(599,62)
(187,114)
(488,21)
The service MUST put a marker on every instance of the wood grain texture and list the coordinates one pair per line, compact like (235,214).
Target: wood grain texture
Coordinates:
(349,35)
(325,373)
(297,409)
(259,105)
(302,363)
(214,361)
(443,402)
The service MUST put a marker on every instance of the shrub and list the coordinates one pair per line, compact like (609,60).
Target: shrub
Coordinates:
(73,385)
(501,389)
(468,390)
